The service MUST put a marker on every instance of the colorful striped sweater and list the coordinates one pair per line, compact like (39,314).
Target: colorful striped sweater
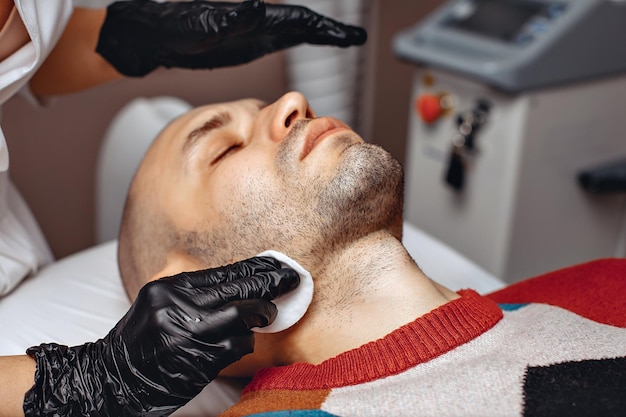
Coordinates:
(554,345)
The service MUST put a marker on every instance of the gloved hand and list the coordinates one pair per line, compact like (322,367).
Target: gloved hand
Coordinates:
(180,332)
(139,35)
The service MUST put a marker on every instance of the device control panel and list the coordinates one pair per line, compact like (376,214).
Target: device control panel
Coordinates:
(519,22)
(517,45)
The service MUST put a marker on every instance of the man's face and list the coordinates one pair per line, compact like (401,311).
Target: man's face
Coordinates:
(238,178)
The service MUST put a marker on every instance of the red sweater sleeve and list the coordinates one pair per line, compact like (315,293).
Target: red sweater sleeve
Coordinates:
(595,290)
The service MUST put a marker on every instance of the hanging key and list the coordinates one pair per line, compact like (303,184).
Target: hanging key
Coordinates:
(463,143)
(457,163)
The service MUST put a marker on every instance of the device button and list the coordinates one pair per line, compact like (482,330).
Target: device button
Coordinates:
(428,107)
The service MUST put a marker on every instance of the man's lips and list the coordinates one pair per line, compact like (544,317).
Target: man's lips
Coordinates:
(318,130)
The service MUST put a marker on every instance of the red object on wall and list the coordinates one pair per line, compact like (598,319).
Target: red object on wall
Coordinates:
(428,107)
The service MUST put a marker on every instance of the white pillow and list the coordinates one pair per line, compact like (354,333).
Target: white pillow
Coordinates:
(72,301)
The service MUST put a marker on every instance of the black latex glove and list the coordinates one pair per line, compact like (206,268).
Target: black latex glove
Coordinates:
(140,35)
(180,332)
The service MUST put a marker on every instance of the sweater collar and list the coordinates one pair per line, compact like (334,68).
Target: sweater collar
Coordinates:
(429,336)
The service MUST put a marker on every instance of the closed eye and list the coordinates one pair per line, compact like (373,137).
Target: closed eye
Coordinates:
(224,153)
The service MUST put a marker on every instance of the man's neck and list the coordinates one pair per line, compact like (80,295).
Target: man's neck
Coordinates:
(363,292)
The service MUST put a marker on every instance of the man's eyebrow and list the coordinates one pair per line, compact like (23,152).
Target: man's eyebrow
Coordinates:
(215,122)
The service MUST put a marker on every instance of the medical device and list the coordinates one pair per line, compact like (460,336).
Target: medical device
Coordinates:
(511,101)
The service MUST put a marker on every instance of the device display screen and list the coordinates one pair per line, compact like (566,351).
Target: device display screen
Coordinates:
(501,19)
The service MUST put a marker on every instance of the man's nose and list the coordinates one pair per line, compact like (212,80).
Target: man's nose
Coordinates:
(289,109)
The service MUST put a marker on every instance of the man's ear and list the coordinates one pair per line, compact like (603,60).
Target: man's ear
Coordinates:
(177,263)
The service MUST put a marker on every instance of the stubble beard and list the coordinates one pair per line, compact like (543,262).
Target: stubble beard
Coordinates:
(365,195)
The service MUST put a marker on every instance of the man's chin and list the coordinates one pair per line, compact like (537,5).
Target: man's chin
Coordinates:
(366,194)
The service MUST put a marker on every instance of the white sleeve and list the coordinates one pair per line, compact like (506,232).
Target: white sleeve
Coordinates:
(45,22)
(23,248)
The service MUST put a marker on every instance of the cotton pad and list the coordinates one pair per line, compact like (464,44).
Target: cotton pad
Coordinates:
(293,305)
